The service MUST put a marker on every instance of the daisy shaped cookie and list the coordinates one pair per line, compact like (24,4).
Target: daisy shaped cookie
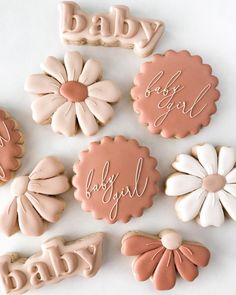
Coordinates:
(70,95)
(162,257)
(34,203)
(205,185)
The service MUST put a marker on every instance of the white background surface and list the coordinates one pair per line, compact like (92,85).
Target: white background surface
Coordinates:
(28,34)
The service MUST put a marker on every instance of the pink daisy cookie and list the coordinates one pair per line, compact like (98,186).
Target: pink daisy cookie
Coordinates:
(115,179)
(70,95)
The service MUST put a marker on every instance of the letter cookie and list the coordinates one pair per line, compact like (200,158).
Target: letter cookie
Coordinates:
(205,185)
(34,201)
(11,150)
(115,179)
(161,257)
(117,28)
(57,261)
(175,94)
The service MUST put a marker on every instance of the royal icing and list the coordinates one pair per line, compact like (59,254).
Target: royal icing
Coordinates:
(175,94)
(57,261)
(34,203)
(161,257)
(117,28)
(115,179)
(10,147)
(205,185)
(70,95)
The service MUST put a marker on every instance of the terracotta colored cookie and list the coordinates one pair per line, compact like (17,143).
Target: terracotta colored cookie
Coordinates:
(175,94)
(205,185)
(34,203)
(11,150)
(70,95)
(115,179)
(161,257)
(57,261)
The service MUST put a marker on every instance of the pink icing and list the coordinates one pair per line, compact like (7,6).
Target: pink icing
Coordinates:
(74,91)
(213,183)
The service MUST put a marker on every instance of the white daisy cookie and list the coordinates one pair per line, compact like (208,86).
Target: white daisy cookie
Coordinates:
(70,94)
(205,185)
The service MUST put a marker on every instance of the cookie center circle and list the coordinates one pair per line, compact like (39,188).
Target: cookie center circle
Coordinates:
(74,91)
(171,240)
(213,183)
(19,186)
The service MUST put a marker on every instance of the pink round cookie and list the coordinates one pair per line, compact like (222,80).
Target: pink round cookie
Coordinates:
(175,94)
(115,179)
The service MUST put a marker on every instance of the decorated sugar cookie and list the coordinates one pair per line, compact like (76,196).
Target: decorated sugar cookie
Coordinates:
(70,95)
(205,185)
(116,28)
(161,257)
(34,201)
(11,150)
(57,261)
(175,94)
(116,179)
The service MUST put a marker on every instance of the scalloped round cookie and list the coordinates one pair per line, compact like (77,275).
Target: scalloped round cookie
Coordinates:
(116,179)
(11,149)
(175,94)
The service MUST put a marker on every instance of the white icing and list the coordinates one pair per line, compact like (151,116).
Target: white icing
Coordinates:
(211,212)
(181,184)
(91,72)
(231,176)
(105,90)
(53,67)
(231,188)
(102,110)
(188,164)
(226,160)
(207,156)
(73,64)
(41,84)
(86,119)
(188,206)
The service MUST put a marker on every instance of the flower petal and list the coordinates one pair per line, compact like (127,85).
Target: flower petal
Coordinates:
(226,160)
(188,206)
(86,119)
(231,176)
(231,188)
(53,67)
(41,84)
(73,64)
(196,253)
(187,270)
(43,107)
(211,212)
(164,276)
(207,156)
(49,208)
(180,184)
(145,264)
(8,219)
(91,72)
(228,202)
(105,90)
(187,164)
(47,168)
(100,109)
(51,186)
(64,119)
(30,223)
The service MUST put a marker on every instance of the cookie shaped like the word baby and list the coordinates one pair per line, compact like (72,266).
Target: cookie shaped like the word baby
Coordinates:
(70,95)
(161,257)
(11,149)
(175,94)
(115,179)
(57,261)
(34,201)
(117,28)
(205,185)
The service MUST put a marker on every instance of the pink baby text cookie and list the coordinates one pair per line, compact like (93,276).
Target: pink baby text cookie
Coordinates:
(175,94)
(115,179)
